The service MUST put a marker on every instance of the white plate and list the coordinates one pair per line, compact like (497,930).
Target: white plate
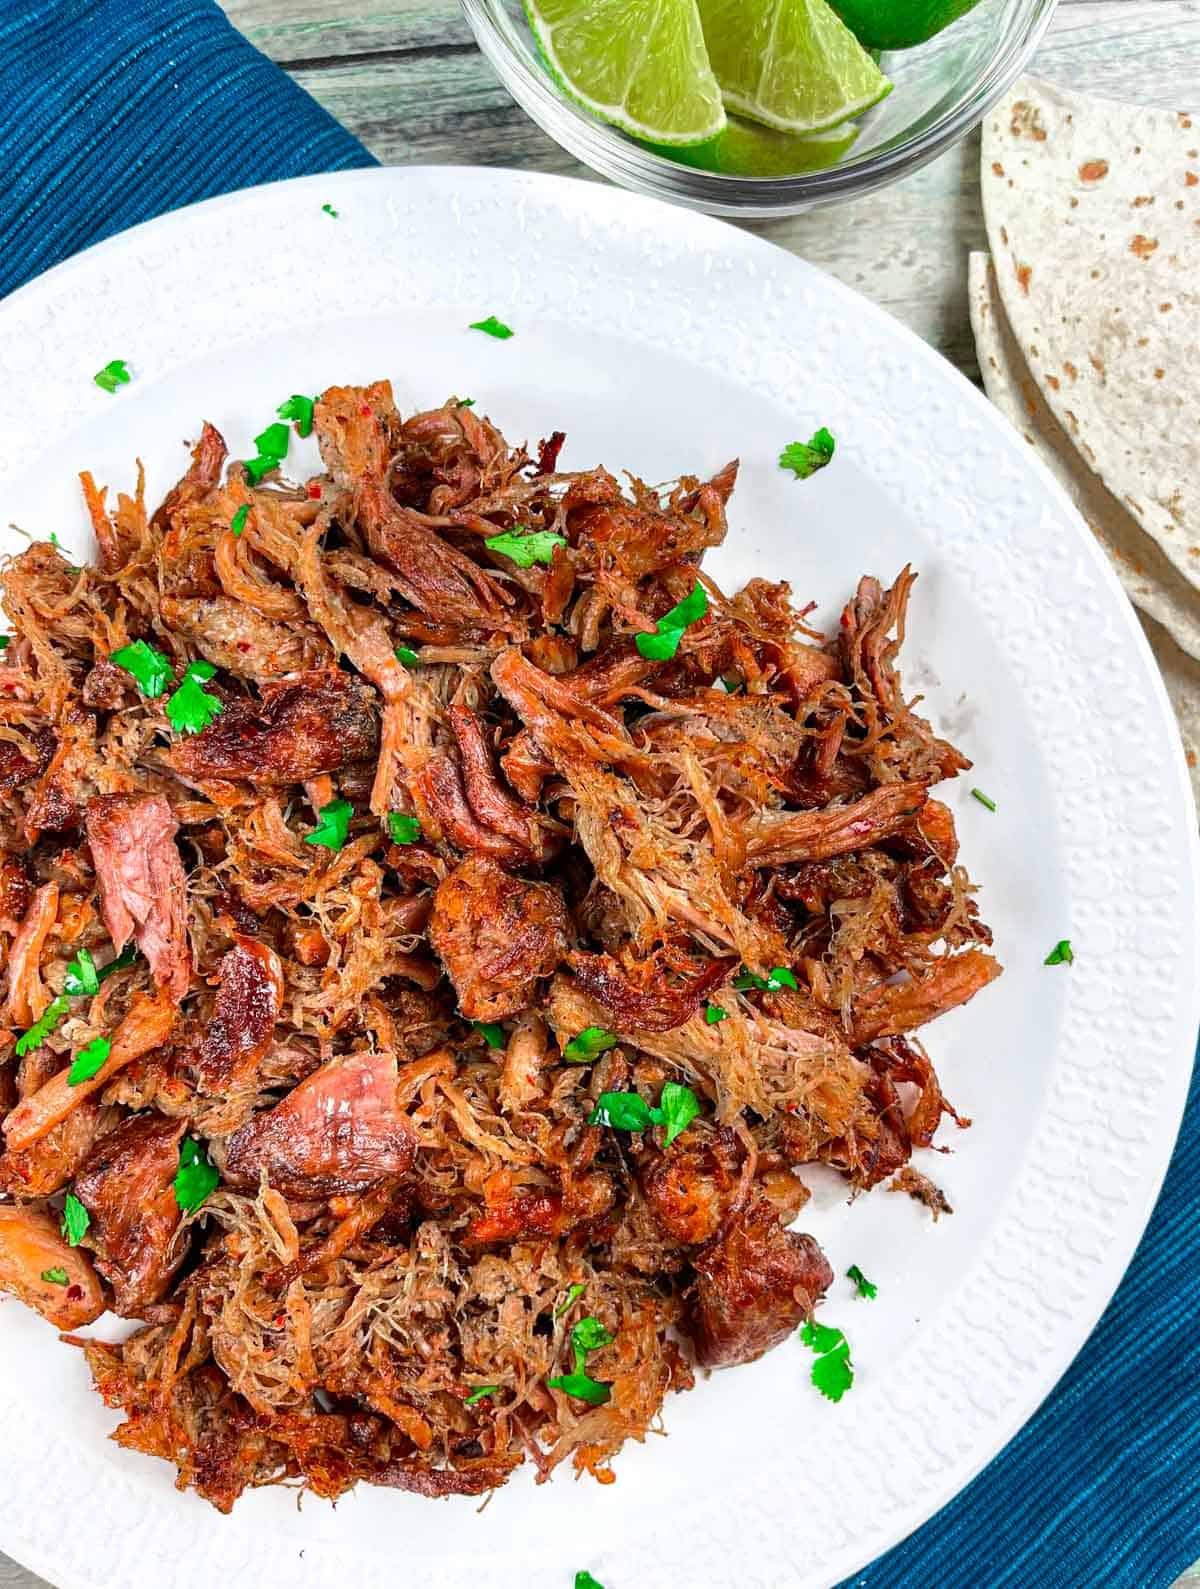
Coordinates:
(663,342)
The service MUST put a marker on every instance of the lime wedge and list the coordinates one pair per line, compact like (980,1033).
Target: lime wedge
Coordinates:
(745,149)
(639,64)
(789,63)
(899,24)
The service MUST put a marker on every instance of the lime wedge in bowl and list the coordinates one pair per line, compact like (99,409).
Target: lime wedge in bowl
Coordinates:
(639,64)
(899,24)
(791,64)
(746,149)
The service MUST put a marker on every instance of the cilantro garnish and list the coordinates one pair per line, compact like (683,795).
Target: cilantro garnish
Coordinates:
(464,402)
(44,1025)
(256,468)
(493,327)
(805,458)
(589,1335)
(273,442)
(151,670)
(238,522)
(113,374)
(403,829)
(191,708)
(629,1111)
(714,1014)
(584,1580)
(866,1288)
(589,1045)
(479,1393)
(778,977)
(75,1220)
(574,1291)
(196,1176)
(4,641)
(408,656)
(90,1059)
(491,1032)
(984,800)
(82,977)
(662,645)
(526,548)
(300,410)
(833,1372)
(333,824)
(55,1277)
(1061,954)
(329,210)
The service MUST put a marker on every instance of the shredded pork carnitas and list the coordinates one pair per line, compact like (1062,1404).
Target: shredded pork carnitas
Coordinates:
(368,1037)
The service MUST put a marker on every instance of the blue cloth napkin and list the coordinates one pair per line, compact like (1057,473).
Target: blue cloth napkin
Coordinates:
(112,111)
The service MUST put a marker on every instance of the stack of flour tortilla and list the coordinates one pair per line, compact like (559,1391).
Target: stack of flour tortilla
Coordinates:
(1087,320)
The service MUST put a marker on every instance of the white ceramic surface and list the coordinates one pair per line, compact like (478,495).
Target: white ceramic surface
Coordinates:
(663,342)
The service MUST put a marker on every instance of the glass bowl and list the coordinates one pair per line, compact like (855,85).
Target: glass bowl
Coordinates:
(942,89)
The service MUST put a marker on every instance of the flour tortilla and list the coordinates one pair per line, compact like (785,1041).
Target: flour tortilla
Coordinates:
(1150,579)
(1093,216)
(1169,608)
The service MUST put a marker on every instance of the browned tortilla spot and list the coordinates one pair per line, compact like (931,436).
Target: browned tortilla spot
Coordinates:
(1004,234)
(1158,374)
(1163,307)
(1070,371)
(1142,200)
(1027,121)
(1184,121)
(1053,382)
(1190,178)
(1093,170)
(1143,246)
(997,168)
(1024,275)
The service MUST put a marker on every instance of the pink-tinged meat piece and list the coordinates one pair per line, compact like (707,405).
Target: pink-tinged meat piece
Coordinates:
(249,999)
(496,935)
(143,892)
(780,837)
(27,997)
(338,1131)
(127,1186)
(30,1248)
(305,726)
(440,795)
(755,1282)
(893,1008)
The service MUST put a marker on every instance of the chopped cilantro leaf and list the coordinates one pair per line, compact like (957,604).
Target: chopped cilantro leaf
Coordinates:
(866,1288)
(805,458)
(677,1108)
(781,977)
(584,1580)
(329,210)
(333,824)
(44,1025)
(55,1277)
(75,1220)
(113,374)
(526,548)
(273,442)
(464,402)
(408,656)
(256,468)
(984,800)
(300,410)
(833,1372)
(624,1111)
(493,327)
(491,1032)
(574,1291)
(1061,954)
(196,1176)
(82,977)
(583,1386)
(4,641)
(589,1335)
(151,670)
(403,829)
(238,522)
(191,708)
(89,1061)
(588,1045)
(479,1393)
(663,643)
(714,1014)
(778,977)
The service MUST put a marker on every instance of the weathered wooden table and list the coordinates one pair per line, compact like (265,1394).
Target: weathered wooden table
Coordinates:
(406,78)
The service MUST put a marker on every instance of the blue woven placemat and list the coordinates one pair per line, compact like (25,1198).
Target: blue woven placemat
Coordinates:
(113,111)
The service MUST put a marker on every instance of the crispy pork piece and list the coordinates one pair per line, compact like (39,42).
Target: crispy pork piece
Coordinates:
(38,1266)
(250,990)
(143,892)
(892,1008)
(496,935)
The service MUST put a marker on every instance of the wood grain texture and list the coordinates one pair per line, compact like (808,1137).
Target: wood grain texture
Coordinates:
(406,79)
